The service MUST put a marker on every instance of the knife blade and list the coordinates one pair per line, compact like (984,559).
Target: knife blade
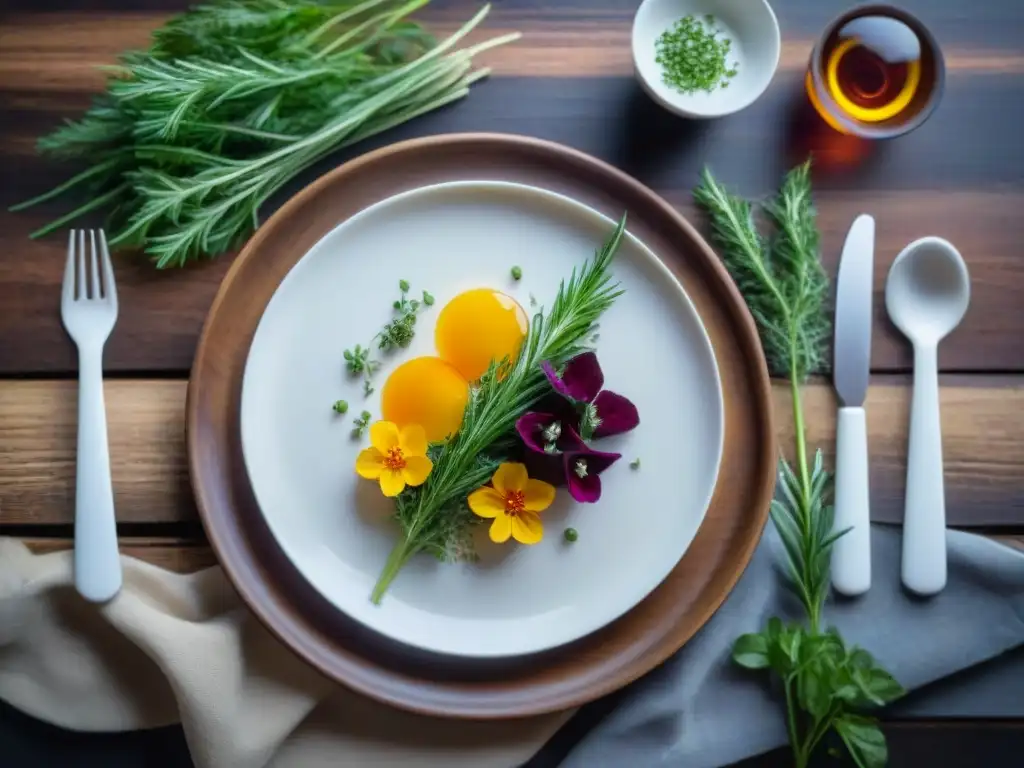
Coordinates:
(851,368)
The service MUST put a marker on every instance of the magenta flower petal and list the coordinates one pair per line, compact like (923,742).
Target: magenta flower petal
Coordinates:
(583,377)
(556,382)
(587,489)
(531,426)
(617,414)
(549,467)
(581,380)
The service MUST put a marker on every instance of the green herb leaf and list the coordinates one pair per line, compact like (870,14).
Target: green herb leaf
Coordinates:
(813,690)
(233,99)
(751,651)
(786,293)
(864,739)
(877,685)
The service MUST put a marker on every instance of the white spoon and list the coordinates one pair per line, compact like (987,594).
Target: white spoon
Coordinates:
(926,295)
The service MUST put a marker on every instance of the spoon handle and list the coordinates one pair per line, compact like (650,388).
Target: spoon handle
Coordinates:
(924,521)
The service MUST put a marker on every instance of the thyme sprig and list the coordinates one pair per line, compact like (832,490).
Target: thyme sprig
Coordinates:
(824,681)
(433,517)
(397,332)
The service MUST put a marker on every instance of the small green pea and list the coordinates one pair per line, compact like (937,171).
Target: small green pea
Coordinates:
(570,534)
(340,407)
(517,273)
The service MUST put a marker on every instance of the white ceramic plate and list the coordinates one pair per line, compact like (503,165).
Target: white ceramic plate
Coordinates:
(335,526)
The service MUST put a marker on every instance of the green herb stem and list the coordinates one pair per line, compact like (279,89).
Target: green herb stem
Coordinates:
(784,285)
(403,551)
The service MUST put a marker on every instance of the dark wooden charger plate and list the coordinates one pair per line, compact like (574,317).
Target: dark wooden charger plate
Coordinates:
(395,674)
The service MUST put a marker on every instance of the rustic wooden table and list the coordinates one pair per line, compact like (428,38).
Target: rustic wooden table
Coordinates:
(569,79)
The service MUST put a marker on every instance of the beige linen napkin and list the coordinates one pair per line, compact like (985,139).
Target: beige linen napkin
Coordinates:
(174,647)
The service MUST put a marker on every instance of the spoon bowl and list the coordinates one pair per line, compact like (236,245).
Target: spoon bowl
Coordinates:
(926,295)
(928,290)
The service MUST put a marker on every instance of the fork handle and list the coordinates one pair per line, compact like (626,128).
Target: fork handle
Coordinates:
(97,562)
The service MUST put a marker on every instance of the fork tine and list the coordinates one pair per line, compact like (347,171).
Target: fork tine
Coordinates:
(94,272)
(68,289)
(109,287)
(82,292)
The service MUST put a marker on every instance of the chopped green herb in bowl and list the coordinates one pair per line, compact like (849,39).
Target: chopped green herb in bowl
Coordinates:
(705,58)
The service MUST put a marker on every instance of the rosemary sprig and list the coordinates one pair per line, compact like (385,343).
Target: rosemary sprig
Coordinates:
(785,286)
(233,99)
(434,517)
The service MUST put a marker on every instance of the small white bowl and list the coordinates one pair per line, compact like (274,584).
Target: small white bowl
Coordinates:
(756,43)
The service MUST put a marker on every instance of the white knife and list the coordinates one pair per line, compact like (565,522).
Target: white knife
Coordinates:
(851,553)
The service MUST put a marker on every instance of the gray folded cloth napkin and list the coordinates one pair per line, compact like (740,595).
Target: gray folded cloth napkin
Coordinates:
(700,710)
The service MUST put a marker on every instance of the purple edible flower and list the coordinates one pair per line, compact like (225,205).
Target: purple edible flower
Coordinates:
(601,413)
(558,455)
(583,470)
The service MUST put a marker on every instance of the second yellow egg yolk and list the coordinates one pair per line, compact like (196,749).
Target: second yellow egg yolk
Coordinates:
(479,326)
(426,391)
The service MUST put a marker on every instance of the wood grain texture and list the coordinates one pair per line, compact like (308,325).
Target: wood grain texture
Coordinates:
(171,554)
(961,175)
(982,419)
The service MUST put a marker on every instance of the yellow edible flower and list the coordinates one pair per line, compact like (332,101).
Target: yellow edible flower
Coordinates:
(513,503)
(395,458)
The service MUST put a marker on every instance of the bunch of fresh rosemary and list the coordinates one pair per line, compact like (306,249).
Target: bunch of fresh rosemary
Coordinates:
(234,98)
(824,681)
(434,517)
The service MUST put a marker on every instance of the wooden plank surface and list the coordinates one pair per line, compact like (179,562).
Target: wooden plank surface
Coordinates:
(983,420)
(960,176)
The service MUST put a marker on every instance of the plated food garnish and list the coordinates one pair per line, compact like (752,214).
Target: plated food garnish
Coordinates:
(502,416)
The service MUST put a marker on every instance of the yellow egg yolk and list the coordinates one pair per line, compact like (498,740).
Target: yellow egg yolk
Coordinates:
(479,326)
(426,391)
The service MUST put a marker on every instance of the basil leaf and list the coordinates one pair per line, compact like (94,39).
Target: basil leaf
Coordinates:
(882,685)
(813,691)
(849,694)
(751,651)
(864,739)
(859,658)
(789,642)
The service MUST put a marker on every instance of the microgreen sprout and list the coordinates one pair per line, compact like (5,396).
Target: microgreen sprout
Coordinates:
(361,424)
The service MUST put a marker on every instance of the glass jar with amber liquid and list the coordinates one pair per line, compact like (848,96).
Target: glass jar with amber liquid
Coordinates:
(876,72)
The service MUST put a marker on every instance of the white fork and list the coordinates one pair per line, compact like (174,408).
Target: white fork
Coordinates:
(88,308)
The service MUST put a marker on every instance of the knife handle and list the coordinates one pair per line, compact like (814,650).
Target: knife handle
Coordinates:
(851,553)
